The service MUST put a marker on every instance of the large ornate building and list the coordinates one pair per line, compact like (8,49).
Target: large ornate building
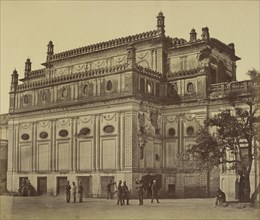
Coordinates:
(121,109)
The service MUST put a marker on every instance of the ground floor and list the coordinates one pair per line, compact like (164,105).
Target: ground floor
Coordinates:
(49,207)
(172,185)
(229,183)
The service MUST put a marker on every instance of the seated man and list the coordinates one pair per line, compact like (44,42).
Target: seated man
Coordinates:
(220,197)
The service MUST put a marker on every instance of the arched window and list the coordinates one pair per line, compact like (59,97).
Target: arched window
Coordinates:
(190,88)
(44,96)
(142,85)
(190,131)
(109,85)
(172,90)
(26,99)
(85,89)
(64,92)
(149,87)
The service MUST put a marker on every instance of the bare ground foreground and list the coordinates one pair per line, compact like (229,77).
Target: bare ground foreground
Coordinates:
(47,207)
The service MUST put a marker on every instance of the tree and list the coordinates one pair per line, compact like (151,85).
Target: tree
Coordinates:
(231,136)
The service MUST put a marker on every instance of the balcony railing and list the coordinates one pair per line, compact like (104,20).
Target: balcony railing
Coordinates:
(232,86)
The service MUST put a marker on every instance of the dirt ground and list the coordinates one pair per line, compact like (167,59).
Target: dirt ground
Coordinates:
(47,207)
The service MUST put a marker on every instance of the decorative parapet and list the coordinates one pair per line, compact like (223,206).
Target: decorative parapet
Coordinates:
(147,71)
(35,74)
(104,45)
(180,43)
(72,77)
(228,87)
(222,45)
(186,73)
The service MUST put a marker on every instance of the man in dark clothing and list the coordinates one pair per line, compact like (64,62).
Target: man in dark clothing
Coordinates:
(140,189)
(220,197)
(241,189)
(149,190)
(120,193)
(109,190)
(80,191)
(154,192)
(67,189)
(74,191)
(125,193)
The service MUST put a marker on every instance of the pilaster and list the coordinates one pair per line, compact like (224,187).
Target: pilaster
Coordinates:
(17,149)
(34,148)
(118,143)
(122,140)
(97,138)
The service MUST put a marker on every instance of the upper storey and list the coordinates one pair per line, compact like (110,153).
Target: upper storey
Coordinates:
(144,65)
(186,57)
(172,57)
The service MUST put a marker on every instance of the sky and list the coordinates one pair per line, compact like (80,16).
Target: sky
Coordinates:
(28,26)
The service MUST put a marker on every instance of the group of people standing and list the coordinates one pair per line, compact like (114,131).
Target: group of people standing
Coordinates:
(123,192)
(152,190)
(68,189)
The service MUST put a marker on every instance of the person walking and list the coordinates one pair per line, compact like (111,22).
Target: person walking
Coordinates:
(140,190)
(80,191)
(67,189)
(120,193)
(74,191)
(125,193)
(155,190)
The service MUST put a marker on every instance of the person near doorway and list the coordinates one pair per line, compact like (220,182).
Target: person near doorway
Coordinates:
(67,189)
(120,193)
(140,190)
(155,190)
(80,191)
(109,189)
(125,193)
(74,191)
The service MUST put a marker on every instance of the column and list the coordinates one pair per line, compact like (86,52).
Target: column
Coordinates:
(97,138)
(75,147)
(122,140)
(155,60)
(51,147)
(163,164)
(54,152)
(72,151)
(15,140)
(118,145)
(180,147)
(34,147)
(152,60)
(17,155)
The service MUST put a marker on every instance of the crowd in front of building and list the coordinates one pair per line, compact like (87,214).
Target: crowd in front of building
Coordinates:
(122,192)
